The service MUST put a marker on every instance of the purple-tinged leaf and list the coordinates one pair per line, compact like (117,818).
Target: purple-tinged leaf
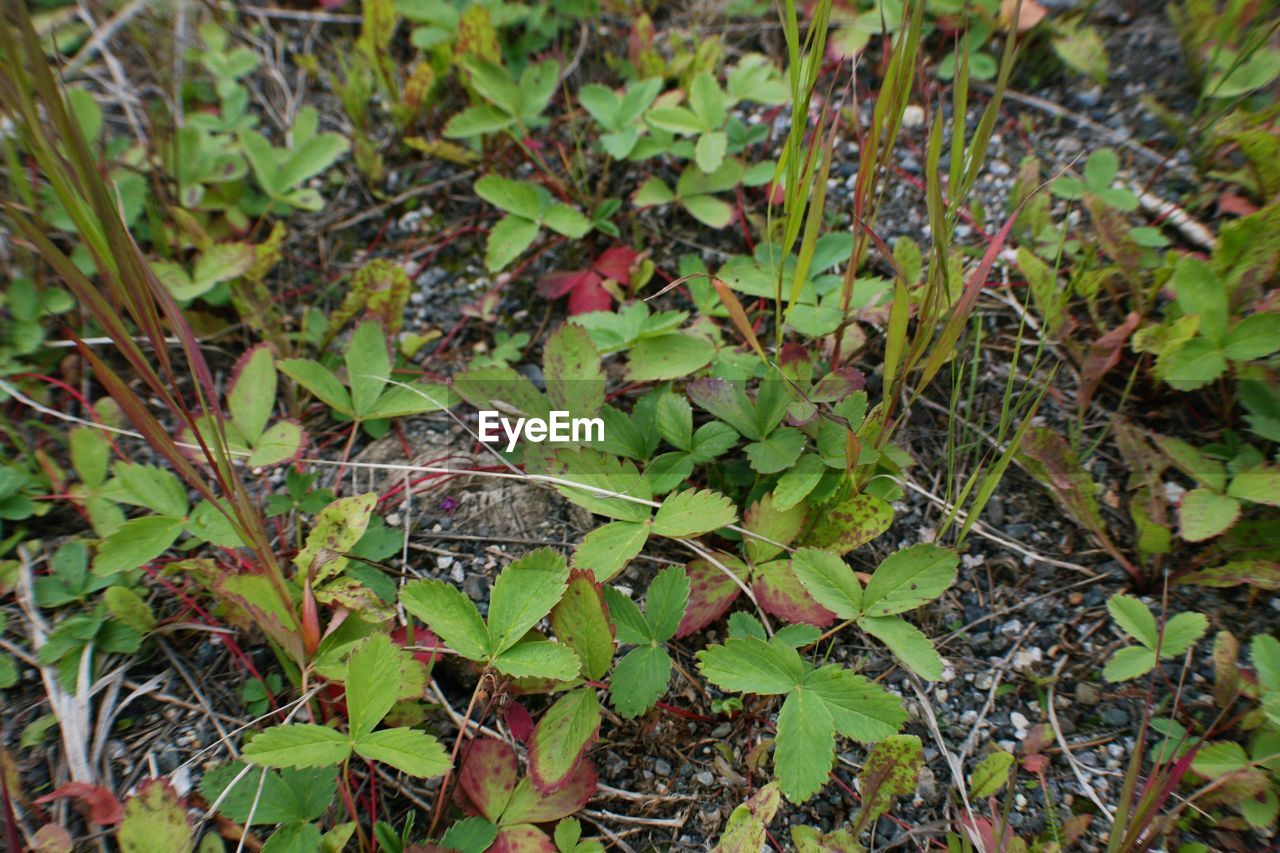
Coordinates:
(562,737)
(711,592)
(488,776)
(781,594)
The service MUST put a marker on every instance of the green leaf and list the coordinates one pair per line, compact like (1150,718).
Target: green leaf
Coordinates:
(777,452)
(155,818)
(751,665)
(507,241)
(600,471)
(1256,336)
(891,770)
(581,622)
(1205,470)
(639,679)
(287,795)
(523,594)
(630,623)
(665,603)
(673,417)
(136,542)
(709,210)
(1101,168)
(602,103)
(450,614)
(368,365)
(608,548)
(571,364)
(408,750)
(565,220)
(1135,619)
(798,481)
(337,528)
(479,120)
(991,774)
(908,643)
(1219,758)
(470,835)
(1204,515)
(151,487)
(671,356)
(297,745)
(374,676)
(262,159)
(710,149)
(252,392)
(1258,484)
(806,744)
(829,580)
(130,608)
(861,709)
(311,157)
(908,578)
(692,513)
(561,738)
(320,382)
(282,442)
(1195,365)
(1181,632)
(1129,662)
(653,192)
(520,198)
(1264,651)
(539,659)
(851,523)
(414,398)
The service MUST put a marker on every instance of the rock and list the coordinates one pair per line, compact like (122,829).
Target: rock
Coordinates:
(1115,716)
(913,116)
(927,786)
(705,778)
(662,768)
(1087,694)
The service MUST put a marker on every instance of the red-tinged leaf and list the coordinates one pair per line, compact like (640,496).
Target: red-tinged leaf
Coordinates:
(562,738)
(1103,355)
(581,621)
(425,643)
(529,805)
(557,284)
(616,263)
(155,818)
(103,807)
(489,776)
(522,838)
(519,721)
(738,315)
(781,594)
(1035,763)
(585,289)
(711,592)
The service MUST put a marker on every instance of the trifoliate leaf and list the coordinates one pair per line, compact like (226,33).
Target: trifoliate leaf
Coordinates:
(407,750)
(561,739)
(639,679)
(751,665)
(908,643)
(908,578)
(830,581)
(1129,662)
(523,594)
(449,614)
(1135,619)
(297,745)
(691,513)
(539,659)
(665,602)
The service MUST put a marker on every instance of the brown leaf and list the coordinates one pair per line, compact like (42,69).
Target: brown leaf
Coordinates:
(1029,15)
(1103,355)
(104,809)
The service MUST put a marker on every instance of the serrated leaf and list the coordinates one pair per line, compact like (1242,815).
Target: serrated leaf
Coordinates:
(320,382)
(851,523)
(1135,619)
(470,835)
(1204,515)
(631,625)
(337,528)
(1205,470)
(692,513)
(775,524)
(607,549)
(488,776)
(709,210)
(805,750)
(581,622)
(798,481)
(297,745)
(407,750)
(908,578)
(136,542)
(861,709)
(1264,652)
(829,580)
(155,818)
(130,608)
(287,795)
(673,417)
(671,356)
(251,394)
(665,603)
(562,737)
(368,365)
(571,364)
(710,149)
(639,679)
(891,770)
(1181,632)
(600,471)
(1129,662)
(523,594)
(653,192)
(281,442)
(711,591)
(563,219)
(751,665)
(479,120)
(448,612)
(778,452)
(1258,484)
(991,774)
(539,659)
(507,241)
(529,805)
(374,675)
(908,643)
(782,594)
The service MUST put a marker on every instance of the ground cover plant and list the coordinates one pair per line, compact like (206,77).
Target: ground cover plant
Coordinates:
(934,350)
